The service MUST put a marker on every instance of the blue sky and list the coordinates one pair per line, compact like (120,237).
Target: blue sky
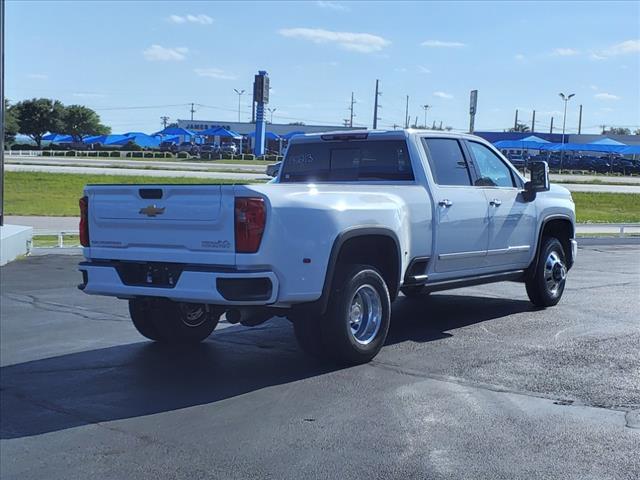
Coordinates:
(116,55)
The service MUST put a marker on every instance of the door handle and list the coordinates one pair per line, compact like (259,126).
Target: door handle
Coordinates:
(445,203)
(495,202)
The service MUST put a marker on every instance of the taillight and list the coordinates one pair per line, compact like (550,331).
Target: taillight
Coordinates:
(84,221)
(250,219)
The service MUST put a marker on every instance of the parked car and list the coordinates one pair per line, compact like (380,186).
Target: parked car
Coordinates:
(166,146)
(353,219)
(188,147)
(229,148)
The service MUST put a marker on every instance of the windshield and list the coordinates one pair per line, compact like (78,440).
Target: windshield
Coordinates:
(347,161)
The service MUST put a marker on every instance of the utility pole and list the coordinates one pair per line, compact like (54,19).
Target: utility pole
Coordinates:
(440,127)
(164,120)
(533,122)
(351,114)
(551,129)
(375,106)
(239,92)
(515,123)
(426,107)
(406,114)
(580,121)
(192,111)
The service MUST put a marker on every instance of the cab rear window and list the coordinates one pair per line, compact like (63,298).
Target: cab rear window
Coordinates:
(347,161)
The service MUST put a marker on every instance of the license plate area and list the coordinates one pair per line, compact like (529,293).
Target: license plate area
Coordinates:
(149,274)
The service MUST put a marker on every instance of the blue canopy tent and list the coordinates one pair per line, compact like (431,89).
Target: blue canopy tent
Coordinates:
(183,132)
(221,132)
(141,139)
(590,147)
(528,143)
(607,141)
(58,138)
(104,139)
(630,150)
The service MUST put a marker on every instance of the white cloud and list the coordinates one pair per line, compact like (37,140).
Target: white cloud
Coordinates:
(444,95)
(88,95)
(564,52)
(623,48)
(332,5)
(519,57)
(164,54)
(200,18)
(400,70)
(37,76)
(607,109)
(441,44)
(423,69)
(606,96)
(214,73)
(357,42)
(593,87)
(595,56)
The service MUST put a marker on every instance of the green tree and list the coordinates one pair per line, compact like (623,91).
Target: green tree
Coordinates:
(10,122)
(38,116)
(78,120)
(636,131)
(617,131)
(520,127)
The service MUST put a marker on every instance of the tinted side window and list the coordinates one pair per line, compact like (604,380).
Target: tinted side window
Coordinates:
(491,169)
(447,162)
(347,161)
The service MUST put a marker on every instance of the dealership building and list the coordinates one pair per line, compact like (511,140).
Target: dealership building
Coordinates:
(244,128)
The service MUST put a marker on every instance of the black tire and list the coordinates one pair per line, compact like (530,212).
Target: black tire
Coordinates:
(308,333)
(546,283)
(338,336)
(143,317)
(173,322)
(414,291)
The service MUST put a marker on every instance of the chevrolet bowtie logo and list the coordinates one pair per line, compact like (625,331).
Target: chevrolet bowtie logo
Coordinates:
(151,211)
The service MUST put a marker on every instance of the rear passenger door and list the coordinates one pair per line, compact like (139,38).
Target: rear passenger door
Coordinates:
(512,220)
(461,230)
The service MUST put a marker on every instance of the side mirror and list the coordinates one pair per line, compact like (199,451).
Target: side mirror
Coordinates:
(274,169)
(539,179)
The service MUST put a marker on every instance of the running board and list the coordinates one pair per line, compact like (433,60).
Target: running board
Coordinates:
(516,276)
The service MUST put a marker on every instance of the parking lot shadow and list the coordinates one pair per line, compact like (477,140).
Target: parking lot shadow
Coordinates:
(433,317)
(144,378)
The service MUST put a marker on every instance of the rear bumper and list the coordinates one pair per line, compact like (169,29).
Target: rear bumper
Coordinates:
(196,284)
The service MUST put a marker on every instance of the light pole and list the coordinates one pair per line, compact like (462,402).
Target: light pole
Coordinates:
(565,99)
(239,92)
(426,107)
(271,110)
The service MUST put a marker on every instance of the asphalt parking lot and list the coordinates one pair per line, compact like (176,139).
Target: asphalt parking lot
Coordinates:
(472,383)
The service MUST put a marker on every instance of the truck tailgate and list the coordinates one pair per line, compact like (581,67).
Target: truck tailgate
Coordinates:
(162,223)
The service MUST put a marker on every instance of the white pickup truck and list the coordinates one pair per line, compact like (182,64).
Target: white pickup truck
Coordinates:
(351,220)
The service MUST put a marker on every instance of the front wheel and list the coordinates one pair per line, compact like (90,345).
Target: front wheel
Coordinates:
(357,320)
(546,285)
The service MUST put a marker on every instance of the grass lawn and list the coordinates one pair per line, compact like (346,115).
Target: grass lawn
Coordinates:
(607,207)
(57,194)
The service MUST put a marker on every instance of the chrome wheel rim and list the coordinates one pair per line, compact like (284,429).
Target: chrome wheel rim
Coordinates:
(554,273)
(193,315)
(365,314)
